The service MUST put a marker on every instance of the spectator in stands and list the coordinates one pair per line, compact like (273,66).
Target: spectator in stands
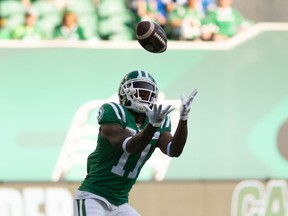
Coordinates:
(26,3)
(185,21)
(4,32)
(29,30)
(59,3)
(224,22)
(69,28)
(132,5)
(208,5)
(154,10)
(204,5)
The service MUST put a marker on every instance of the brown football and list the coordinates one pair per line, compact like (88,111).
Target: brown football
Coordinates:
(151,36)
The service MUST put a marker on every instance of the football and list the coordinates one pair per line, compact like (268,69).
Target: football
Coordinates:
(151,36)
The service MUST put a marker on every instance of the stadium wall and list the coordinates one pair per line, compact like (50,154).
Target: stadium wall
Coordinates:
(51,92)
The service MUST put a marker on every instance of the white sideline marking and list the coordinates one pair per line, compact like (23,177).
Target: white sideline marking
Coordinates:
(172,45)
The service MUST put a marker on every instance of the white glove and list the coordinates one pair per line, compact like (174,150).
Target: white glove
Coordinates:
(157,115)
(185,105)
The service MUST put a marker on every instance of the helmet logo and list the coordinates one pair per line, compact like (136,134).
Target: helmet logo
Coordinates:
(100,114)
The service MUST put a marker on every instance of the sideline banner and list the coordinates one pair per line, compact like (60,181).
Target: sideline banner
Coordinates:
(206,198)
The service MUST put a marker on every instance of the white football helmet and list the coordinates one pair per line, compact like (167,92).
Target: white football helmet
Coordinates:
(133,85)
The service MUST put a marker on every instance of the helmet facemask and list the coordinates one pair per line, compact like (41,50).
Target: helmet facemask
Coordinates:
(136,93)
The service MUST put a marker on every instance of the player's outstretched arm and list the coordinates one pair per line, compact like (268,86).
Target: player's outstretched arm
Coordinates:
(156,115)
(123,139)
(173,146)
(186,104)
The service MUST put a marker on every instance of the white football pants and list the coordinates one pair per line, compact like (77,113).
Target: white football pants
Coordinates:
(87,204)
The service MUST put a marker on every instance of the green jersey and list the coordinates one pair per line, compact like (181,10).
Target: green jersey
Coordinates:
(27,32)
(228,20)
(111,173)
(4,34)
(76,33)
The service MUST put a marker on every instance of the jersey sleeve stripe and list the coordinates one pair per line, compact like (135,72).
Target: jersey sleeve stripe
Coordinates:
(156,135)
(168,121)
(123,115)
(115,110)
(168,151)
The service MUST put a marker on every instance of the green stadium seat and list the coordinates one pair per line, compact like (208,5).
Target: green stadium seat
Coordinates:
(11,7)
(14,21)
(115,28)
(109,8)
(46,8)
(49,16)
(13,12)
(48,24)
(81,6)
(115,20)
(89,22)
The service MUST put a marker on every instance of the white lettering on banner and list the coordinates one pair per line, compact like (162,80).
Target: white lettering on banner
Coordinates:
(11,202)
(36,201)
(58,202)
(33,199)
(251,198)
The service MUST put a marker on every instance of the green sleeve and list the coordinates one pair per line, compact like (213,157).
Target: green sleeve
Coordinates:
(5,34)
(81,33)
(166,126)
(109,114)
(57,32)
(210,18)
(18,32)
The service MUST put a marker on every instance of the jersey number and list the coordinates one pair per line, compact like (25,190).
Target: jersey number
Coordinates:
(119,168)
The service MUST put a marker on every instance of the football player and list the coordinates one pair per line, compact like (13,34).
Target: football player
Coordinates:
(128,135)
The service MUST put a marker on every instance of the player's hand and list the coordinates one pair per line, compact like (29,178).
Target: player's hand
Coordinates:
(156,115)
(185,105)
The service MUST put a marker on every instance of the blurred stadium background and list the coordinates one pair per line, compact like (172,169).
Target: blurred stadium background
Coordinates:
(236,158)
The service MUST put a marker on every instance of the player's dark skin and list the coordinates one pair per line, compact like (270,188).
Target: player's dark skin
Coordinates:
(116,135)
